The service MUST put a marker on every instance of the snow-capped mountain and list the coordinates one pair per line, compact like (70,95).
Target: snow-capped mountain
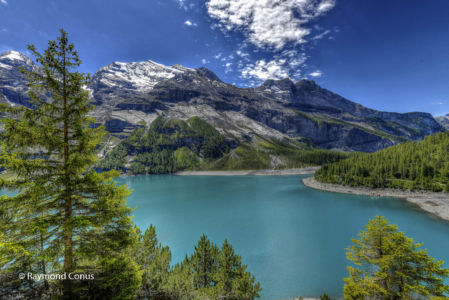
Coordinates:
(128,95)
(138,76)
(13,89)
(11,58)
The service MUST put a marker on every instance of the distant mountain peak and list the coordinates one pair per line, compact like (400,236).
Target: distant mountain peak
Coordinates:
(208,74)
(13,57)
(282,84)
(142,76)
(13,88)
(12,54)
(307,83)
(181,68)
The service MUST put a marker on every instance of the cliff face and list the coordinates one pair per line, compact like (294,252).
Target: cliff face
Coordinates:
(128,94)
(444,121)
(13,89)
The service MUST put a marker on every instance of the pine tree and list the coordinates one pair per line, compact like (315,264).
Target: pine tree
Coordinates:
(212,273)
(65,217)
(155,262)
(325,297)
(389,265)
(204,263)
(234,282)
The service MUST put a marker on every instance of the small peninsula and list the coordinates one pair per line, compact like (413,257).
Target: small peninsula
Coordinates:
(432,202)
(417,171)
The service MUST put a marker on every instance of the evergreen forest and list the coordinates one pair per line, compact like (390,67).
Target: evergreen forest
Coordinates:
(416,165)
(172,145)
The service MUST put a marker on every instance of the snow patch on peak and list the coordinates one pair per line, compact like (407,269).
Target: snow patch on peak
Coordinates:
(142,76)
(14,55)
(181,68)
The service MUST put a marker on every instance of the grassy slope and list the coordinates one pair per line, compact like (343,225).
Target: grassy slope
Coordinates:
(271,154)
(159,149)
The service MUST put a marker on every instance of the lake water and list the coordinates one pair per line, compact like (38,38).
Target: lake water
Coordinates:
(292,238)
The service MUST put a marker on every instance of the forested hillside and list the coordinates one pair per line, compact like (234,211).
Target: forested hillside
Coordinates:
(168,146)
(412,165)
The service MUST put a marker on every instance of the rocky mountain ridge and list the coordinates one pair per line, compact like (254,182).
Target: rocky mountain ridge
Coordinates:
(130,95)
(444,121)
(13,90)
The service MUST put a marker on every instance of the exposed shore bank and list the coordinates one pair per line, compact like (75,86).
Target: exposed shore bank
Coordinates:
(299,171)
(434,203)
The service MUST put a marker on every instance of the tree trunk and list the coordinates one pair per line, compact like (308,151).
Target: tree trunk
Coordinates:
(43,264)
(68,257)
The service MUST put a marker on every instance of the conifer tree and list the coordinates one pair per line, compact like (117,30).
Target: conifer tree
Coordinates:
(65,217)
(155,262)
(389,265)
(204,263)
(213,273)
(234,282)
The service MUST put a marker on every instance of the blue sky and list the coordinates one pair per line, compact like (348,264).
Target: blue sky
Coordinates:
(388,55)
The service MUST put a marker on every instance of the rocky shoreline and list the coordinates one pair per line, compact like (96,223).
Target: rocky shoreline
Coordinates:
(298,171)
(434,203)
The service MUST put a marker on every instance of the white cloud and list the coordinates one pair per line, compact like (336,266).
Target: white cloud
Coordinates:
(321,35)
(275,34)
(190,23)
(241,53)
(227,58)
(325,6)
(316,74)
(263,70)
(288,63)
(228,67)
(4,2)
(182,4)
(268,23)
(204,61)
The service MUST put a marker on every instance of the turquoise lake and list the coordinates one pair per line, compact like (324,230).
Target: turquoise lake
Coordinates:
(292,238)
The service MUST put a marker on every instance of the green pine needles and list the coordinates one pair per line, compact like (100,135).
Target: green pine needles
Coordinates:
(65,217)
(415,165)
(66,221)
(388,265)
(211,272)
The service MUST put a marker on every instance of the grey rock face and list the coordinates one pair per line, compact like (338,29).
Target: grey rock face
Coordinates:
(13,89)
(444,121)
(129,93)
(115,125)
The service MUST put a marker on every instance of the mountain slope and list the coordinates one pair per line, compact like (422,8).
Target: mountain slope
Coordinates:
(278,109)
(173,145)
(412,165)
(129,95)
(444,121)
(13,89)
